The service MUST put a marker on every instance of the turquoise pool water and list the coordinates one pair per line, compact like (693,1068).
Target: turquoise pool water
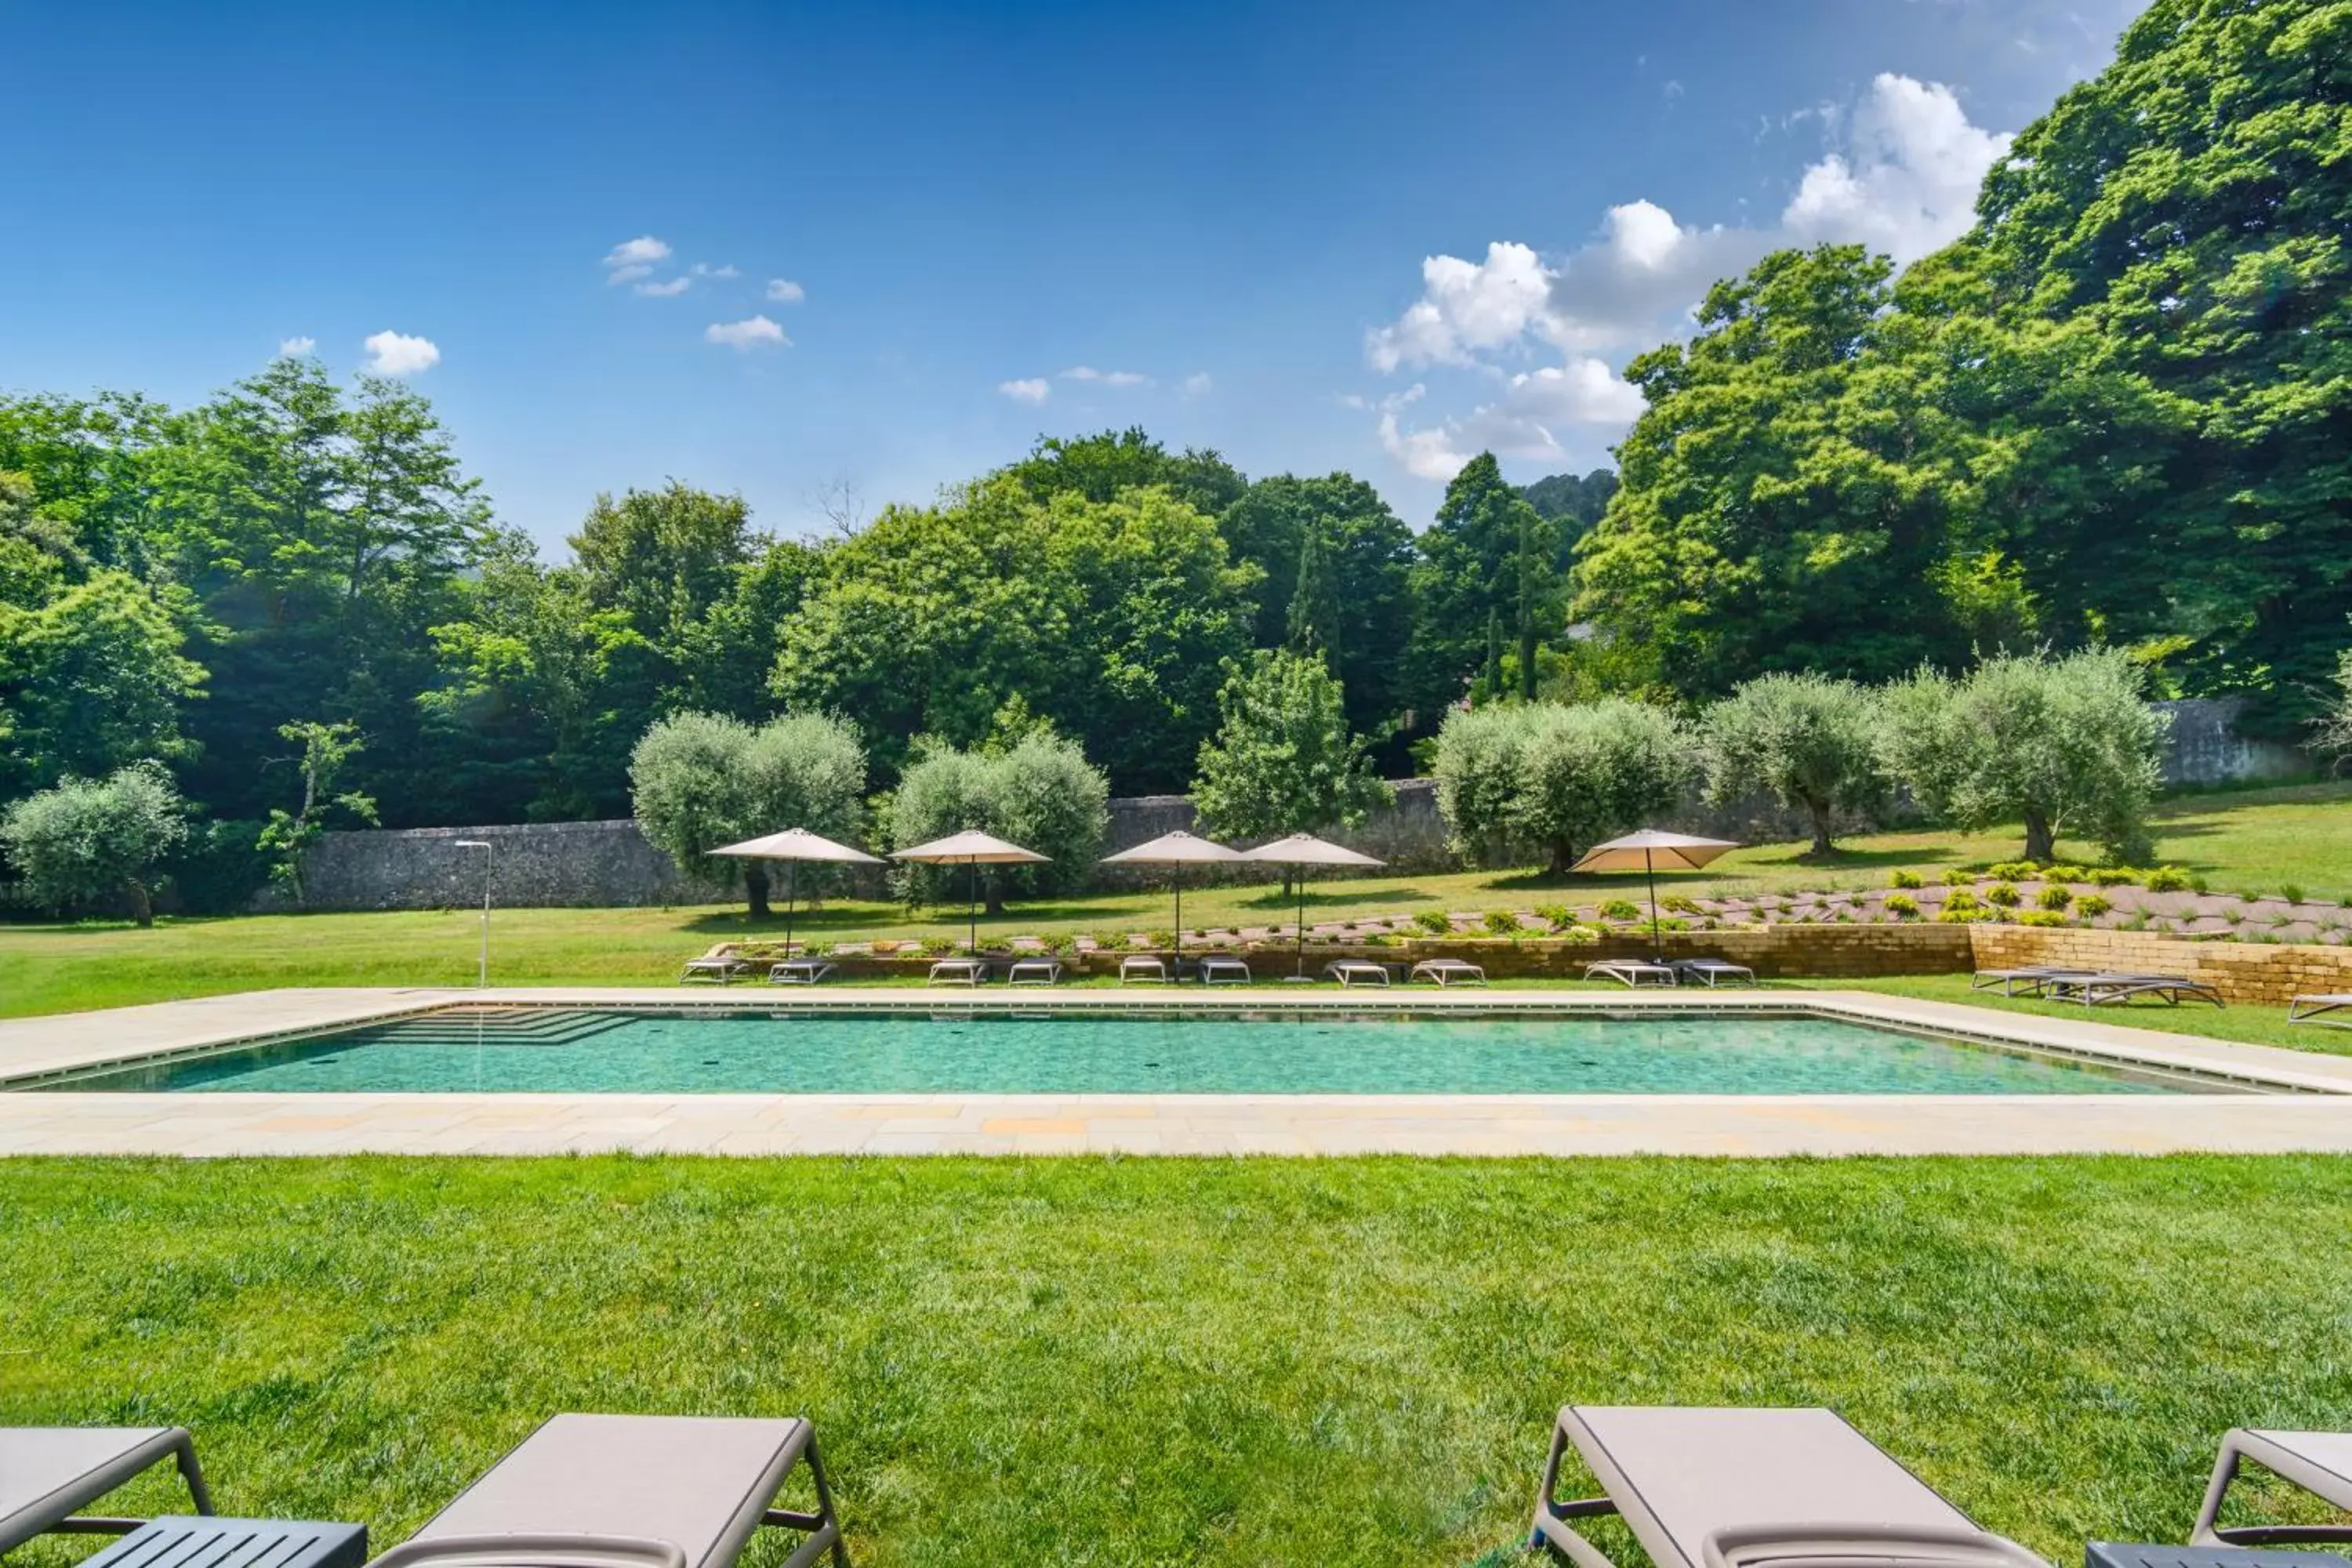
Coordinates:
(841,1053)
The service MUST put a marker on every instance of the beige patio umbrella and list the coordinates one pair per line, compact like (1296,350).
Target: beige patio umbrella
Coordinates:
(1299,851)
(792,846)
(1646,851)
(974,849)
(1179,849)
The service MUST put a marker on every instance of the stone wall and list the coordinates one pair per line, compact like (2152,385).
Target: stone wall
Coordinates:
(2266,972)
(2205,747)
(544,864)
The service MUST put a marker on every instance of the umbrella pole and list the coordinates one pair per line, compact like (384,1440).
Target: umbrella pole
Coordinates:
(1652,872)
(1178,879)
(792,876)
(972,905)
(1300,972)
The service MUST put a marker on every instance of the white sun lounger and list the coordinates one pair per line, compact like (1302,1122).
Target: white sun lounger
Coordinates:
(48,1474)
(1144,966)
(712,970)
(958,972)
(1351,972)
(2315,1009)
(1742,1488)
(685,1490)
(1224,969)
(2318,1462)
(1034,972)
(1630,972)
(1448,971)
(1712,971)
(799,972)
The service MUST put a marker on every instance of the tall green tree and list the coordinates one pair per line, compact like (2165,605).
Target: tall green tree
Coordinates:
(84,841)
(1489,556)
(1283,759)
(1099,468)
(1810,741)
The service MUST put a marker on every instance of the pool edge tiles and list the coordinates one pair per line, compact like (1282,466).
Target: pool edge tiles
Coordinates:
(304,1124)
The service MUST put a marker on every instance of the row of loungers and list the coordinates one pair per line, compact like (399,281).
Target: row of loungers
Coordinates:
(1738,1487)
(1638,971)
(1136,968)
(2092,987)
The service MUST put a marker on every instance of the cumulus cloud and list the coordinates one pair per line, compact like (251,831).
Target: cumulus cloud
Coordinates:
(634,259)
(751,333)
(295,348)
(785,290)
(1107,377)
(1030,389)
(396,354)
(704,269)
(664,290)
(1198,385)
(1904,181)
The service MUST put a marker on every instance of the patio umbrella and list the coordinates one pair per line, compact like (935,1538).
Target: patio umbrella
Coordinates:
(1180,849)
(975,849)
(1646,851)
(792,846)
(1299,851)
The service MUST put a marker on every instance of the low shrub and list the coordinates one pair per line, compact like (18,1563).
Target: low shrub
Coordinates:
(2198,884)
(2004,893)
(1559,917)
(1162,939)
(2014,870)
(1433,921)
(1620,909)
(882,947)
(938,946)
(1961,898)
(2066,874)
(1109,941)
(1061,943)
(2042,918)
(2291,893)
(1960,917)
(1581,934)
(1503,923)
(2167,879)
(2245,895)
(2056,896)
(1960,879)
(1678,904)
(2135,920)
(1903,906)
(2117,876)
(816,950)
(2090,906)
(1904,879)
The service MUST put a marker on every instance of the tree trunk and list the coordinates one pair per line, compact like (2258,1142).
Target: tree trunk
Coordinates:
(1563,855)
(143,908)
(992,894)
(755,888)
(1286,884)
(2041,844)
(1821,826)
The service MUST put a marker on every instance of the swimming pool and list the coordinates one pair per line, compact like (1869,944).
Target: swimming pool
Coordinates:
(580,1051)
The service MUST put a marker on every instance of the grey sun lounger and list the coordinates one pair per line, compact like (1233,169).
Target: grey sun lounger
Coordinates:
(1223,969)
(1630,972)
(2096,990)
(800,972)
(1448,971)
(1713,972)
(1740,1487)
(1351,972)
(687,1491)
(2031,979)
(2318,1462)
(48,1474)
(2315,1009)
(712,970)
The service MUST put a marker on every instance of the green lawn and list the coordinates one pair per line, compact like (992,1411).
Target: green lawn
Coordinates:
(1175,1361)
(2243,1023)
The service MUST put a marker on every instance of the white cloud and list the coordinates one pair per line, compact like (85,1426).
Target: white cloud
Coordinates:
(1904,183)
(1198,385)
(1107,377)
(634,259)
(295,348)
(1030,389)
(666,291)
(704,269)
(396,354)
(745,335)
(785,290)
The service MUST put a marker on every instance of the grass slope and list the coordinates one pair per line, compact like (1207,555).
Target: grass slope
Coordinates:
(1171,1361)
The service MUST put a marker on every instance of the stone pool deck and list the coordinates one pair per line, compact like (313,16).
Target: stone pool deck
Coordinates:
(2318,1120)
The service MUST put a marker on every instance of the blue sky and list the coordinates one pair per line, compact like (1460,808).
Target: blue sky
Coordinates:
(1223,211)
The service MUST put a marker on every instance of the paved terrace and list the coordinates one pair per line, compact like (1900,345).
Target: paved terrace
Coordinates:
(2319,1119)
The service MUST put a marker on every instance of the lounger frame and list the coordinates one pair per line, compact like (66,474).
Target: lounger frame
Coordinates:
(2290,1456)
(1630,972)
(1353,972)
(2316,1010)
(54,1513)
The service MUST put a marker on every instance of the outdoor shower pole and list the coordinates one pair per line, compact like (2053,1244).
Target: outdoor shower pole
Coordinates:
(482,978)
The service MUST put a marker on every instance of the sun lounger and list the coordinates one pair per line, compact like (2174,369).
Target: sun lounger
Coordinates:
(1351,972)
(2318,1462)
(2315,1009)
(2098,990)
(799,972)
(712,972)
(630,1487)
(958,972)
(1448,971)
(212,1542)
(1630,972)
(1712,971)
(1144,966)
(47,1474)
(1738,1487)
(1034,972)
(1224,969)
(2030,979)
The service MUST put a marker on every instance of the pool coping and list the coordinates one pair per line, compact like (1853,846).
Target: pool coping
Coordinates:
(2312,1118)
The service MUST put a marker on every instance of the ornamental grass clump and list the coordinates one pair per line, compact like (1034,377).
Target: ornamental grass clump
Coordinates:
(2005,894)
(1902,906)
(1901,878)
(1620,909)
(2167,879)
(2056,896)
(1502,922)
(2090,906)
(1436,922)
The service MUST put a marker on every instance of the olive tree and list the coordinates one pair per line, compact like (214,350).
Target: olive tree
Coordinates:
(1037,790)
(1283,759)
(1543,779)
(2066,744)
(1476,766)
(698,781)
(1808,740)
(87,840)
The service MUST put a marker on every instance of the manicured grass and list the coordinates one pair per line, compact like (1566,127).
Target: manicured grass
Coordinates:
(1176,1361)
(2242,840)
(2244,1023)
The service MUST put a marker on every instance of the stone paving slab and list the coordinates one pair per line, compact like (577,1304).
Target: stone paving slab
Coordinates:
(754,1124)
